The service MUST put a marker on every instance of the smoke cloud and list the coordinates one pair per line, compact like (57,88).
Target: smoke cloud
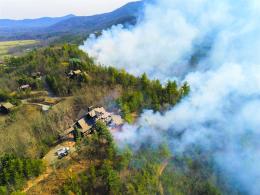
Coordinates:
(221,114)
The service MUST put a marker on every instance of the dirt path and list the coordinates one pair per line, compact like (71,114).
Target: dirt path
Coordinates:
(53,182)
(160,172)
(34,182)
(163,166)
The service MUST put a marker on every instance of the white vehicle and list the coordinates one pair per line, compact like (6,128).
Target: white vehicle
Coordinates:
(62,152)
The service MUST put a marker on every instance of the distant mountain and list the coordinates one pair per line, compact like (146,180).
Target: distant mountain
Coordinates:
(128,13)
(46,27)
(31,23)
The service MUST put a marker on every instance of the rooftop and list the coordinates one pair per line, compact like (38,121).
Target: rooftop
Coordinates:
(7,105)
(77,71)
(85,125)
(24,86)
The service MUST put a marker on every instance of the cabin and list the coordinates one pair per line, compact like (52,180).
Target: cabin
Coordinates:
(74,73)
(6,108)
(84,126)
(100,114)
(87,120)
(36,75)
(77,72)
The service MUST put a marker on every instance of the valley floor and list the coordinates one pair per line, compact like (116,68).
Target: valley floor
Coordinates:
(8,47)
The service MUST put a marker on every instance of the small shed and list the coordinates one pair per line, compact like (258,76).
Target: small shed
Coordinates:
(74,73)
(77,72)
(5,108)
(36,75)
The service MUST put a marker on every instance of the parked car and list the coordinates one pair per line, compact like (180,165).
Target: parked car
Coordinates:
(62,152)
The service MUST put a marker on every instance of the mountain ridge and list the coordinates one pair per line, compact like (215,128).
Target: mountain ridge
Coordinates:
(128,12)
(41,28)
(37,22)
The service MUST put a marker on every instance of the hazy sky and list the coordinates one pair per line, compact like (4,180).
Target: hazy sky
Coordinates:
(20,9)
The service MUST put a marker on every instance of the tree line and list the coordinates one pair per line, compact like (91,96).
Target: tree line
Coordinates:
(56,62)
(120,171)
(15,171)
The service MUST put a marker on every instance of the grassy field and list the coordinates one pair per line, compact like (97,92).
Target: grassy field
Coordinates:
(12,47)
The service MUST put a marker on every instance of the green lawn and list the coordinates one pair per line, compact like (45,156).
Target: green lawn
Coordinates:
(6,46)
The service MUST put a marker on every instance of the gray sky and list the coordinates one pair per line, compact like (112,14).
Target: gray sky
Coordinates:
(20,9)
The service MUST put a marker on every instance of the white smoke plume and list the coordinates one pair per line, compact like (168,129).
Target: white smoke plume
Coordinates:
(222,112)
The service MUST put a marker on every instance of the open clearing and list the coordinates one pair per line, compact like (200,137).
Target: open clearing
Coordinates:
(57,171)
(50,160)
(7,46)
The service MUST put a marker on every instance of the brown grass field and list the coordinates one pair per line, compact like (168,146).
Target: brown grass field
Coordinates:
(7,46)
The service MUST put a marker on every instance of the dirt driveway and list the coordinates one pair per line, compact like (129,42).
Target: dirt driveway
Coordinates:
(51,158)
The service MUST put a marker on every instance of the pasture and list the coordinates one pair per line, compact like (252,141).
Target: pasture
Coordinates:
(15,47)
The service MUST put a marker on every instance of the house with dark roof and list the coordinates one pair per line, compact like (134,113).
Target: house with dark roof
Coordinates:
(6,108)
(84,125)
(87,120)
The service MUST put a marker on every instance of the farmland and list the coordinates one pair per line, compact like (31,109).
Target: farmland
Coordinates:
(15,47)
